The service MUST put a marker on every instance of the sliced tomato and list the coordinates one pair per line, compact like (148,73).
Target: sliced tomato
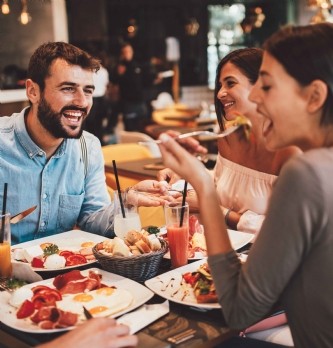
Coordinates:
(26,309)
(75,259)
(191,278)
(46,297)
(66,253)
(37,262)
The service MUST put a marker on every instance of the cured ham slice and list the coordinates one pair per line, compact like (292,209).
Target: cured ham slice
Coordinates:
(74,283)
(53,317)
(62,279)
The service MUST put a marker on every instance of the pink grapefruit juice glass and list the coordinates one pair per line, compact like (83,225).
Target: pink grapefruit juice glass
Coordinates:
(177,235)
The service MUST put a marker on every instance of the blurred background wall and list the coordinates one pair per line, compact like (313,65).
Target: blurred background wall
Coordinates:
(205,30)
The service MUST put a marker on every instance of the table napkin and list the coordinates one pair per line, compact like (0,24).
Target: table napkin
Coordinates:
(143,316)
(179,185)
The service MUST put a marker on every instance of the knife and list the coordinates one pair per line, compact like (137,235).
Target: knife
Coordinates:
(18,217)
(87,314)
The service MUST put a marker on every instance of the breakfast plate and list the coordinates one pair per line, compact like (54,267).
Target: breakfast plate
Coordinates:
(139,295)
(170,285)
(72,241)
(238,239)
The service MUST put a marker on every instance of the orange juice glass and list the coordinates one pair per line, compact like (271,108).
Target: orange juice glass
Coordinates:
(5,240)
(177,235)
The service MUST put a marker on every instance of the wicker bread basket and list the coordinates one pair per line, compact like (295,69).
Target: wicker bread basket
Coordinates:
(136,267)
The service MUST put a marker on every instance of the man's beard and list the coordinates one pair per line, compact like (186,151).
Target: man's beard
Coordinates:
(51,120)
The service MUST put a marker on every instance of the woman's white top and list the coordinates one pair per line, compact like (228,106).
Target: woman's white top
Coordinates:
(244,190)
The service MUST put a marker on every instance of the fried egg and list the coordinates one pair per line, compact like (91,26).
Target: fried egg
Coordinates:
(102,302)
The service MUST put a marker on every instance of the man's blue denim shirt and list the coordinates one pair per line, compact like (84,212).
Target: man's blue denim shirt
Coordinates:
(64,196)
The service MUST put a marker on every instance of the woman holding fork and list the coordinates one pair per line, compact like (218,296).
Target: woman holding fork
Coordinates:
(289,262)
(245,171)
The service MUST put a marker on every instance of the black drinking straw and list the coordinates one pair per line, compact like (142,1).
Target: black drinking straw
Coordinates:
(4,204)
(118,188)
(182,212)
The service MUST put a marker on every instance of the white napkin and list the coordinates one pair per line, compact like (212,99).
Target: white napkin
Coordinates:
(143,316)
(179,185)
(23,271)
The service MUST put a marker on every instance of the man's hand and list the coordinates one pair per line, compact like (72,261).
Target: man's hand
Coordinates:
(168,176)
(152,193)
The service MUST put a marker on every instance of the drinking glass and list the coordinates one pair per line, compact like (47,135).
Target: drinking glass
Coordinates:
(131,221)
(177,235)
(5,241)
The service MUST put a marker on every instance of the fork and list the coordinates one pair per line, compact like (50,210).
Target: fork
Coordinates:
(209,134)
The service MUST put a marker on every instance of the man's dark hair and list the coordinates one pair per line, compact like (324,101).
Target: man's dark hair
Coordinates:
(43,57)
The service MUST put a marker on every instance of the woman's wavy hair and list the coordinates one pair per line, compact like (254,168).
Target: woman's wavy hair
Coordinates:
(306,53)
(248,61)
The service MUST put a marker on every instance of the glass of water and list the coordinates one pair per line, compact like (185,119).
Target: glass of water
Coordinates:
(126,216)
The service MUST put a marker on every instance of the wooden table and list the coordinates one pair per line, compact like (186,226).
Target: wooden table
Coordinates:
(176,115)
(142,169)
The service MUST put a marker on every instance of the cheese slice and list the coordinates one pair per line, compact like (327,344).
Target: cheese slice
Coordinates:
(31,252)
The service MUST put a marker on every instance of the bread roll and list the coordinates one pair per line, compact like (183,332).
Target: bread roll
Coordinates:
(108,246)
(120,248)
(132,237)
(154,242)
(134,250)
(143,247)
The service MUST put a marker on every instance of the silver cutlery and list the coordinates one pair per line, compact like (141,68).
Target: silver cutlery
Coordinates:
(182,336)
(87,314)
(18,217)
(202,133)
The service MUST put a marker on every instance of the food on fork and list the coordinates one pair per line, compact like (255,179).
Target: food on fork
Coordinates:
(243,121)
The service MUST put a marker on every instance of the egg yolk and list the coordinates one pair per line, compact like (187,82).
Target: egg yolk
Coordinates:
(83,298)
(98,309)
(105,291)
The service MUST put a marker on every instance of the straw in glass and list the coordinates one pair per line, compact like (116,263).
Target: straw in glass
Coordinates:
(4,207)
(182,212)
(118,188)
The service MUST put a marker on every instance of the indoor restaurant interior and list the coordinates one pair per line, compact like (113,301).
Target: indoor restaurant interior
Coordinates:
(108,235)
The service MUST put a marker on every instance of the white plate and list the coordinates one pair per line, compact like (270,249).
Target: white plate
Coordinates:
(170,285)
(238,240)
(140,296)
(70,240)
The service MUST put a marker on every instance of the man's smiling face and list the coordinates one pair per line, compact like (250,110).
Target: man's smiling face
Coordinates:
(66,99)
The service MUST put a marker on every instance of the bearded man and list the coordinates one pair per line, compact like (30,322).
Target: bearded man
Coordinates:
(48,160)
